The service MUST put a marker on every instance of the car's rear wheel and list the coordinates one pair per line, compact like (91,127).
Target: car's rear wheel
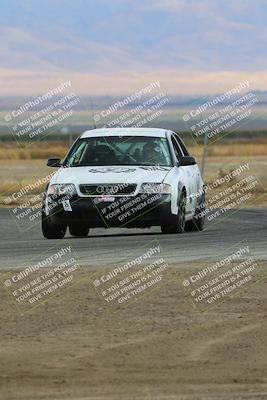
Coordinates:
(79,231)
(51,230)
(177,224)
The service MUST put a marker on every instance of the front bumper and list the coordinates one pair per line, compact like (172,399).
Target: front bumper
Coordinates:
(142,210)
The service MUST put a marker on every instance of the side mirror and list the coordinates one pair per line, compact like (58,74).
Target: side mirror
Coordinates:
(186,160)
(54,162)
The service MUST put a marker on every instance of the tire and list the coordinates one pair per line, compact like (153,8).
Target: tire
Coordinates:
(50,230)
(79,231)
(198,222)
(178,223)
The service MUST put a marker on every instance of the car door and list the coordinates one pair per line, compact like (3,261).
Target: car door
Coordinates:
(190,175)
(185,174)
(196,181)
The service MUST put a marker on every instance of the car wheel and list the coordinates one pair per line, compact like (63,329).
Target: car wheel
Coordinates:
(50,230)
(81,231)
(198,222)
(178,223)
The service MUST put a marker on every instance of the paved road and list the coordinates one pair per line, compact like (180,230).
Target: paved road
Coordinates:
(105,246)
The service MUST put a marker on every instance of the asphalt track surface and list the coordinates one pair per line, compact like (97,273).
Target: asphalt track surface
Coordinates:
(104,247)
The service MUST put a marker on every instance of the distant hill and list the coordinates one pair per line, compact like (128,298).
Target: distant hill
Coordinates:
(8,103)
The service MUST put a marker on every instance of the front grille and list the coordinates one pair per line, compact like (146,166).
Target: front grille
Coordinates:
(116,189)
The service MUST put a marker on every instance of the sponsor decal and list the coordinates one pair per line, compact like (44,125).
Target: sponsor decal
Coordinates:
(116,170)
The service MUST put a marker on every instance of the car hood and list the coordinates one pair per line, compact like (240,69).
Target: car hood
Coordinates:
(112,174)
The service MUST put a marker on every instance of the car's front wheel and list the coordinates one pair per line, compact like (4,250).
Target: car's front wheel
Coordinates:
(177,224)
(79,231)
(51,230)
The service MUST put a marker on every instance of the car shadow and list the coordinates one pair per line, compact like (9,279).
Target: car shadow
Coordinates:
(116,235)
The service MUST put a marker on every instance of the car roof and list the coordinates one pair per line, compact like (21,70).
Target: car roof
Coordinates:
(154,132)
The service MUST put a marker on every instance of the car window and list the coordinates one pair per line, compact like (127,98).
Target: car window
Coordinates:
(181,143)
(176,148)
(76,155)
(115,150)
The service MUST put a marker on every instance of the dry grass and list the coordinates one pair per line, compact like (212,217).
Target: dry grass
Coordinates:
(10,187)
(43,151)
(232,149)
(236,149)
(32,153)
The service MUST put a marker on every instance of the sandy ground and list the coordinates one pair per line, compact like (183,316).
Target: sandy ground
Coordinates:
(75,346)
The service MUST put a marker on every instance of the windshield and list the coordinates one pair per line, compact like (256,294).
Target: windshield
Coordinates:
(115,150)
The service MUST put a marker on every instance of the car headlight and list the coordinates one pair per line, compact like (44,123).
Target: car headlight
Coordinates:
(62,189)
(155,188)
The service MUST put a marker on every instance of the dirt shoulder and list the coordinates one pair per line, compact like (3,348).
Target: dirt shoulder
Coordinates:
(75,346)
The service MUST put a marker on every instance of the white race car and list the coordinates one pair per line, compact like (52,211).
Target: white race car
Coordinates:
(132,177)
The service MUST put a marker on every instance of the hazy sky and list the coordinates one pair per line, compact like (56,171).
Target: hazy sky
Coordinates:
(115,46)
